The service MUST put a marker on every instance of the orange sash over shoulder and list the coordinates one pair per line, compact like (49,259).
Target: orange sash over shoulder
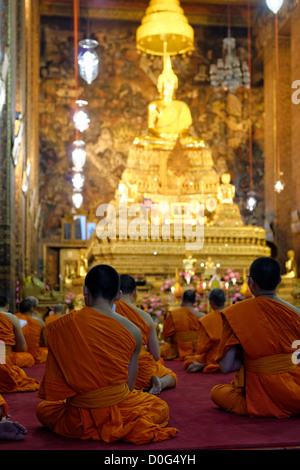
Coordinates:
(148,366)
(87,366)
(12,377)
(266,330)
(209,337)
(32,332)
(181,327)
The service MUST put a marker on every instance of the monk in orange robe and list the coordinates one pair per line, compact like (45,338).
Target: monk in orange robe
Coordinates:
(92,365)
(34,331)
(153,375)
(20,359)
(209,337)
(12,377)
(180,327)
(59,311)
(9,430)
(259,339)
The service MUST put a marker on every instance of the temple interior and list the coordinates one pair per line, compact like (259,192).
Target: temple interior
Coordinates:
(170,153)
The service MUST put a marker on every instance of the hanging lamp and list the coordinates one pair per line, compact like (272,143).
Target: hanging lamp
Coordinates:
(88,60)
(274,6)
(80,118)
(251,197)
(164,22)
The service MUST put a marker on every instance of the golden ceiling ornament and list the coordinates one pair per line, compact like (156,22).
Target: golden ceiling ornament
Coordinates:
(165,22)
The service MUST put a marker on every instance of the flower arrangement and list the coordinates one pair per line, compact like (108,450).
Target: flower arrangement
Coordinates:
(166,287)
(70,300)
(153,304)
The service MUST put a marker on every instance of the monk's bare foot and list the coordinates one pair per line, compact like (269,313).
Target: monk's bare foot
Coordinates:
(156,385)
(12,431)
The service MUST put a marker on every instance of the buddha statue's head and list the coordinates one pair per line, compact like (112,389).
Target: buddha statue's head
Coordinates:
(225,178)
(167,81)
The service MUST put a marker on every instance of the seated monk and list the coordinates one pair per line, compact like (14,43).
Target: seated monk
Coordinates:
(209,337)
(12,377)
(17,358)
(92,365)
(152,373)
(181,326)
(34,331)
(59,311)
(9,430)
(259,339)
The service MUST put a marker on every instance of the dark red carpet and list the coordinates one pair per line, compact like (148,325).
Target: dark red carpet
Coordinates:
(202,426)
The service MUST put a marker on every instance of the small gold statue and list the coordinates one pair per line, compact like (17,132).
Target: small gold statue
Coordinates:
(226,190)
(290,265)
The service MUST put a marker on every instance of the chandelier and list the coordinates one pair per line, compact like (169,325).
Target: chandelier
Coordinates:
(228,73)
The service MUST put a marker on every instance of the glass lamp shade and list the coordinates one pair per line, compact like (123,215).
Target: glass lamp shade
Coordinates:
(78,181)
(251,201)
(88,60)
(77,200)
(78,155)
(279,186)
(274,5)
(80,118)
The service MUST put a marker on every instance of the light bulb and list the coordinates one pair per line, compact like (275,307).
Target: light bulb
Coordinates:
(279,186)
(251,201)
(274,5)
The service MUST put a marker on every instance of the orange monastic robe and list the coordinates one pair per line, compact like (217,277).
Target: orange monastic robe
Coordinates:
(32,332)
(85,383)
(181,327)
(148,366)
(265,329)
(51,318)
(12,377)
(209,337)
(4,407)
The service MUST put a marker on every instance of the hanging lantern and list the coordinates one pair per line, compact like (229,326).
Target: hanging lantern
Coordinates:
(80,118)
(280,184)
(78,155)
(77,200)
(251,201)
(165,22)
(274,5)
(78,181)
(88,60)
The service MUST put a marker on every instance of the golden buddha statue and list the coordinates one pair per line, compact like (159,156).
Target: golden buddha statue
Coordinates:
(227,212)
(226,190)
(290,266)
(168,119)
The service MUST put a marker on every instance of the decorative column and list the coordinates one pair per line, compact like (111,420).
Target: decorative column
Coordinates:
(7,118)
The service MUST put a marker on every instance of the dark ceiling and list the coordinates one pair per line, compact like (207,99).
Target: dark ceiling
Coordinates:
(212,13)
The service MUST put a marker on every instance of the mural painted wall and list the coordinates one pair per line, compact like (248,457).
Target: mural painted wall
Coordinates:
(117,104)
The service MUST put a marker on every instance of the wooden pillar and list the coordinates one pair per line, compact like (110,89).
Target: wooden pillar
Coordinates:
(278,207)
(295,164)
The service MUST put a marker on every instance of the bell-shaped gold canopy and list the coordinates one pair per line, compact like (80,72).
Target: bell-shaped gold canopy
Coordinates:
(165,22)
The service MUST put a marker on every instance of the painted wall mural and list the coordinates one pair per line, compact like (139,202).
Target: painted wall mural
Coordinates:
(117,105)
